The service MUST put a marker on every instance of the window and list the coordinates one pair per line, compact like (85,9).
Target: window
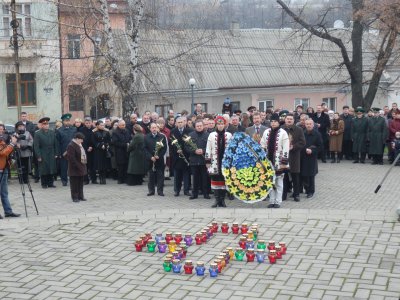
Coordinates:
(96,46)
(330,103)
(23,17)
(28,89)
(74,46)
(235,105)
(305,102)
(162,110)
(263,105)
(76,97)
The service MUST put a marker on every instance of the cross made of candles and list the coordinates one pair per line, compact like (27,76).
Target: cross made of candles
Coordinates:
(176,246)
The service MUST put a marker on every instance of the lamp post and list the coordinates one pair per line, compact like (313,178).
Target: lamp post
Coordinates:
(192,83)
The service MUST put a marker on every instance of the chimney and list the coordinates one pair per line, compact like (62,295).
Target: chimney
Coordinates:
(235,28)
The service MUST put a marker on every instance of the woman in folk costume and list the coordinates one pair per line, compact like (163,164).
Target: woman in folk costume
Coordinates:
(216,144)
(275,141)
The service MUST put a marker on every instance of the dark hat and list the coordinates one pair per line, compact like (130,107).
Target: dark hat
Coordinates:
(359,109)
(346,106)
(251,108)
(44,120)
(19,123)
(274,117)
(238,111)
(375,109)
(283,113)
(67,116)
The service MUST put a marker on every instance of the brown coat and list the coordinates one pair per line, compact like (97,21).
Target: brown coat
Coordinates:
(336,135)
(297,141)
(75,165)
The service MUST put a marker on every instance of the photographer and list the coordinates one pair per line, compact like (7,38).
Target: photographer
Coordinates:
(5,152)
(24,144)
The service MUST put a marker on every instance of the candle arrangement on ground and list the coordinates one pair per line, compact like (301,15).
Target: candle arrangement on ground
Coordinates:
(249,249)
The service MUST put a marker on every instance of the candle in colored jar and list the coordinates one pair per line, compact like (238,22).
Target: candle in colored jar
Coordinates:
(159,238)
(168,237)
(200,269)
(188,267)
(250,255)
(139,245)
(219,266)
(272,256)
(225,227)
(213,270)
(231,252)
(242,242)
(151,245)
(239,254)
(210,231)
(260,255)
(261,245)
(235,228)
(204,236)
(244,229)
(255,233)
(271,245)
(278,252)
(178,238)
(188,239)
(172,246)
(199,238)
(167,265)
(215,226)
(283,247)
(143,237)
(249,243)
(176,266)
(162,246)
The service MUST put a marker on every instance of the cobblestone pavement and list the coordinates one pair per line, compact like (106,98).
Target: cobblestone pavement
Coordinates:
(342,244)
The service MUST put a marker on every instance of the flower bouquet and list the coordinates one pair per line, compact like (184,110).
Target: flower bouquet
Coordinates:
(159,146)
(175,142)
(249,175)
(188,141)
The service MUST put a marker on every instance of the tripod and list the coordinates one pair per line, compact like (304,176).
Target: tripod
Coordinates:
(21,182)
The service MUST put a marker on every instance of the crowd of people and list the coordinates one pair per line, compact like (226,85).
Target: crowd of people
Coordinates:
(189,148)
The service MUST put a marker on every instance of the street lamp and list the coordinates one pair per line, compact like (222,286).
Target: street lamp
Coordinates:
(192,83)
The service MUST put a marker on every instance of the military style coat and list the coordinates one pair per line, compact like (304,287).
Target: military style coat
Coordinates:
(359,131)
(137,161)
(377,135)
(296,138)
(45,145)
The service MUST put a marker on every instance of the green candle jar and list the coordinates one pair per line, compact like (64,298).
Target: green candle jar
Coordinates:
(239,254)
(151,245)
(261,245)
(167,265)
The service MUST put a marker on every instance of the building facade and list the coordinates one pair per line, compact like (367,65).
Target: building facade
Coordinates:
(39,54)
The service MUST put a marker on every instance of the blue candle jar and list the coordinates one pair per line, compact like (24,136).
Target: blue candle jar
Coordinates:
(158,238)
(260,255)
(213,270)
(162,246)
(176,266)
(200,269)
(250,244)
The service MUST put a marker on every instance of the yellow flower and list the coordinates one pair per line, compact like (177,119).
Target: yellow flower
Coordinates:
(243,196)
(225,172)
(236,182)
(263,193)
(270,172)
(233,176)
(269,184)
(233,190)
(228,181)
(253,197)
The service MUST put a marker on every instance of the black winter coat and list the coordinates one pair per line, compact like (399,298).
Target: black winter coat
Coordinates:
(88,133)
(176,161)
(309,162)
(120,139)
(325,123)
(348,121)
(101,138)
(150,147)
(200,139)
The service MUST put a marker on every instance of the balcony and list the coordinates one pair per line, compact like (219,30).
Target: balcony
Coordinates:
(30,49)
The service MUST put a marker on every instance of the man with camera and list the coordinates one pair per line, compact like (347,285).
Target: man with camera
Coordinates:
(24,149)
(5,151)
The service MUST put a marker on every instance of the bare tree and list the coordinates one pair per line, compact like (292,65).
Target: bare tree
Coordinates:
(366,15)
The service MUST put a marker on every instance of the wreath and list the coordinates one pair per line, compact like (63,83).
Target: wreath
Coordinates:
(249,175)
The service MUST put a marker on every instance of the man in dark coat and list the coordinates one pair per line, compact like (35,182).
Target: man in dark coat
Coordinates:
(76,157)
(155,147)
(377,135)
(87,131)
(145,123)
(46,150)
(180,158)
(347,145)
(64,135)
(235,126)
(309,155)
(132,122)
(121,139)
(29,126)
(297,142)
(197,161)
(359,131)
(323,124)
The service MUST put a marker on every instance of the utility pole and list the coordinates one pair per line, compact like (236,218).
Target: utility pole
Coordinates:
(15,45)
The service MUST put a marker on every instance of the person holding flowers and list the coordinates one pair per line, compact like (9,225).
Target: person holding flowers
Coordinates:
(217,142)
(155,149)
(275,141)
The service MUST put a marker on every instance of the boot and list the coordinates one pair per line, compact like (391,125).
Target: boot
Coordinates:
(216,194)
(333,157)
(221,202)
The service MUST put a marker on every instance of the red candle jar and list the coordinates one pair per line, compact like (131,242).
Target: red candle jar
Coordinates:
(204,236)
(272,256)
(250,255)
(283,247)
(271,245)
(139,245)
(244,228)
(219,265)
(148,236)
(235,228)
(178,237)
(143,237)
(278,252)
(168,237)
(242,242)
(222,259)
(188,267)
(225,227)
(210,230)
(215,226)
(184,250)
(199,238)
